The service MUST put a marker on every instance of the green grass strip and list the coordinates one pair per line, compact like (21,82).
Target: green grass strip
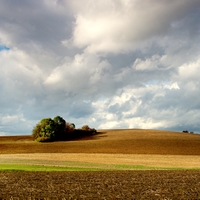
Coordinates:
(45,168)
(18,167)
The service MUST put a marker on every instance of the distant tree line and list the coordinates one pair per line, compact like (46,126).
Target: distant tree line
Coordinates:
(58,129)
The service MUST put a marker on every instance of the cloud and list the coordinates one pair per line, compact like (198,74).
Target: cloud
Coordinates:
(118,26)
(108,64)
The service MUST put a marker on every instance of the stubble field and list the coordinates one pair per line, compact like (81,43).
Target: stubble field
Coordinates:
(112,150)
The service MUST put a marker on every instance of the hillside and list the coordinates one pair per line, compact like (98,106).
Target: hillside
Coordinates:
(130,141)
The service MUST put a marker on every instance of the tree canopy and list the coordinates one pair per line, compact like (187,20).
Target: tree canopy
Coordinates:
(58,129)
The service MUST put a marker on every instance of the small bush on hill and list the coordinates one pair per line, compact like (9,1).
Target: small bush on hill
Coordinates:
(87,128)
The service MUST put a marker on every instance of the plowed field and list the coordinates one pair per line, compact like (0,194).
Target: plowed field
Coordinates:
(101,185)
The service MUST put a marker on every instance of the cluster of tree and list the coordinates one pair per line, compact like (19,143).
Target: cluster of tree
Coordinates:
(58,129)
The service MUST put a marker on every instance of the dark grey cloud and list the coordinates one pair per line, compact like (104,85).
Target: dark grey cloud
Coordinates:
(80,109)
(40,23)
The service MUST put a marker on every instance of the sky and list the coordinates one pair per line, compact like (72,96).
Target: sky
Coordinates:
(109,64)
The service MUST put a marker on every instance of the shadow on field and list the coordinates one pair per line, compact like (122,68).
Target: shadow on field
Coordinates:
(96,136)
(73,136)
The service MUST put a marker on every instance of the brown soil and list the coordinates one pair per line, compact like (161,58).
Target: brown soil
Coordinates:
(105,185)
(111,141)
(100,185)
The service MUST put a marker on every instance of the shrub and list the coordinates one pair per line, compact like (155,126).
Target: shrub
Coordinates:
(36,131)
(60,127)
(48,128)
(43,139)
(87,128)
(70,127)
(45,129)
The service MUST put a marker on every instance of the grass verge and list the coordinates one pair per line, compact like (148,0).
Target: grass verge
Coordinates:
(37,168)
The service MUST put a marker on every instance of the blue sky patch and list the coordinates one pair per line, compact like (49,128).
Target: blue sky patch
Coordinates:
(4,48)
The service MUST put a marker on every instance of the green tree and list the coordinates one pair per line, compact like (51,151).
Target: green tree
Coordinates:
(45,130)
(60,125)
(36,131)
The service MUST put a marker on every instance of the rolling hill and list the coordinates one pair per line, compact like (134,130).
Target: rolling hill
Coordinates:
(129,141)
